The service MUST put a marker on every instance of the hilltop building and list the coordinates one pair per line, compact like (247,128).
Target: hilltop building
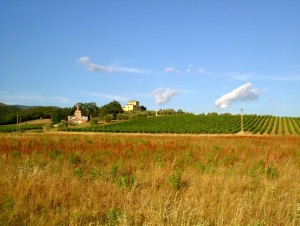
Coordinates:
(77,118)
(132,105)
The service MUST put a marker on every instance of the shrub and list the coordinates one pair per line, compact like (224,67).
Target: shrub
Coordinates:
(108,118)
(94,121)
(120,116)
(78,172)
(63,125)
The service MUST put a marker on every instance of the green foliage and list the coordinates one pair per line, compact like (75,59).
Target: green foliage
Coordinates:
(188,123)
(143,108)
(271,172)
(108,117)
(78,172)
(126,181)
(295,127)
(114,170)
(8,203)
(175,180)
(282,125)
(94,121)
(277,125)
(288,123)
(90,109)
(113,108)
(271,126)
(14,128)
(57,116)
(8,114)
(120,116)
(183,123)
(74,159)
(257,168)
(95,173)
(113,217)
(54,154)
(63,125)
(208,168)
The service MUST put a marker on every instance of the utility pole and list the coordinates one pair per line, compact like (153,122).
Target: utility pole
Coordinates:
(17,123)
(242,120)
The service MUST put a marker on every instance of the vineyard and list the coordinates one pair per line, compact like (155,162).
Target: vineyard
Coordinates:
(202,124)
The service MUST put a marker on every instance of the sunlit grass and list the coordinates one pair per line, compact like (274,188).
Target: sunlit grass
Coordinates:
(103,179)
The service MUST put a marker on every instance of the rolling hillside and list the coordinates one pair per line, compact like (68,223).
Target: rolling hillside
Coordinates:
(203,124)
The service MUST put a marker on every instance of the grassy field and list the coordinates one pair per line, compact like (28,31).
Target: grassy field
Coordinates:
(115,179)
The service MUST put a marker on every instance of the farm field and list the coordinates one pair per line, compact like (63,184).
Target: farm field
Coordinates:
(202,124)
(140,179)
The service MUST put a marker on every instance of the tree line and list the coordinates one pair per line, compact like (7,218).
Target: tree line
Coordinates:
(8,113)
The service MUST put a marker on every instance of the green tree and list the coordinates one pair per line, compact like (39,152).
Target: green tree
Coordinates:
(89,109)
(113,108)
(180,111)
(57,116)
(108,117)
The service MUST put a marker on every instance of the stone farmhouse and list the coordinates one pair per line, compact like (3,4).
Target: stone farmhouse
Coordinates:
(132,105)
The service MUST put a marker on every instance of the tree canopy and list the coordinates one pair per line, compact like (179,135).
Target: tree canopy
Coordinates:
(113,108)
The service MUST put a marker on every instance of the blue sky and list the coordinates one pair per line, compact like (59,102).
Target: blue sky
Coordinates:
(199,56)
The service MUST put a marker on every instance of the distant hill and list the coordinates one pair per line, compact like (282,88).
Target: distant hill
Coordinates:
(8,113)
(21,107)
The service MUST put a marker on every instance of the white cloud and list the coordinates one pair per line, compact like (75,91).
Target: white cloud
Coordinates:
(93,67)
(90,66)
(240,94)
(200,71)
(189,69)
(171,70)
(163,95)
(84,60)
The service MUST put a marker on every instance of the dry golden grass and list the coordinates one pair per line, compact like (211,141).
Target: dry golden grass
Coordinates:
(67,179)
(37,121)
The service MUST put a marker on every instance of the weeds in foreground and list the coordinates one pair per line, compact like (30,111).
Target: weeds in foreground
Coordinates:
(136,180)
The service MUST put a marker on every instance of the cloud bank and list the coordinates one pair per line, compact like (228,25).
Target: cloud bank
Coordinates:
(241,94)
(163,95)
(90,66)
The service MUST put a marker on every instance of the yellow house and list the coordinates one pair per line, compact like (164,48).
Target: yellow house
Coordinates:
(132,105)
